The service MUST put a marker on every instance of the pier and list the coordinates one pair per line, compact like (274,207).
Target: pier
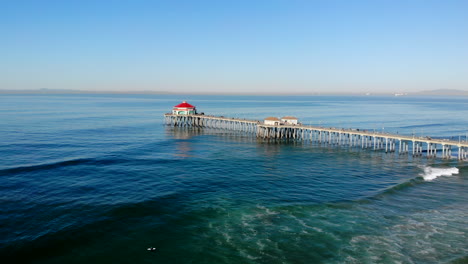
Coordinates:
(401,144)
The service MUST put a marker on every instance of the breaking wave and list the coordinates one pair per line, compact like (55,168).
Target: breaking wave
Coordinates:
(430,173)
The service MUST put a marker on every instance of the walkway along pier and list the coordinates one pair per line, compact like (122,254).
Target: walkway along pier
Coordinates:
(331,136)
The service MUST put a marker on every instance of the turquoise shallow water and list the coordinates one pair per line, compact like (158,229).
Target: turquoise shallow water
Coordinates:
(99,179)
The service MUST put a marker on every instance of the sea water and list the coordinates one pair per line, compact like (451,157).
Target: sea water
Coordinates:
(100,179)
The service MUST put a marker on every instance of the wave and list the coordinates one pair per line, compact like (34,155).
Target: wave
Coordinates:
(422,126)
(400,186)
(82,161)
(430,173)
(45,166)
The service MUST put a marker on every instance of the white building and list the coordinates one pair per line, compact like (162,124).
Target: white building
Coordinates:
(271,121)
(289,120)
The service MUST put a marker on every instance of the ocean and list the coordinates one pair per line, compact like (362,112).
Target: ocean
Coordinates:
(100,179)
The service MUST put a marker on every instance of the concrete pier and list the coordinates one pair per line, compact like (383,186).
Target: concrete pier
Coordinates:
(433,148)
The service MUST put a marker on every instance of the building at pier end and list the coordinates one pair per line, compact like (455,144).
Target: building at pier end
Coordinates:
(184,108)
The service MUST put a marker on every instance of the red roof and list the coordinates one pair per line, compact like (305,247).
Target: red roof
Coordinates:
(185,105)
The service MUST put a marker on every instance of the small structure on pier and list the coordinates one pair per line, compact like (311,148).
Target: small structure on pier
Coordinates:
(184,109)
(289,120)
(272,121)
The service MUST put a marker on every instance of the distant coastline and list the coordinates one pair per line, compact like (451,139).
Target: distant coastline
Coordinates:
(438,92)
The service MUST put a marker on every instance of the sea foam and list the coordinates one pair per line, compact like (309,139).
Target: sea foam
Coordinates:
(432,173)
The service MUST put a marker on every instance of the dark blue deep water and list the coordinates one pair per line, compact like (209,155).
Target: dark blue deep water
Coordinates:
(99,179)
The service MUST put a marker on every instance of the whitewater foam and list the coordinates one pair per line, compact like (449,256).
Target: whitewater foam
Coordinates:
(432,173)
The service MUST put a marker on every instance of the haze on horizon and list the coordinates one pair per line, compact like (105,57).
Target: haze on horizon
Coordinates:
(234,46)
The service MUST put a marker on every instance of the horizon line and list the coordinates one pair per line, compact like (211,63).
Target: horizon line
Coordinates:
(317,93)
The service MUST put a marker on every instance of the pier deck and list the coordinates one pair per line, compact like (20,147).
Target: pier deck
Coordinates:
(333,136)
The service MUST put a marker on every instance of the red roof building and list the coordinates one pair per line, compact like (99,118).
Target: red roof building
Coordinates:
(184,108)
(184,104)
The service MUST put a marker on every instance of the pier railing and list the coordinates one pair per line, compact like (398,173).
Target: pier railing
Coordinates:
(401,144)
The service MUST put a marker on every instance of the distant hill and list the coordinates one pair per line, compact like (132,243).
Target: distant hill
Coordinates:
(41,91)
(69,91)
(443,92)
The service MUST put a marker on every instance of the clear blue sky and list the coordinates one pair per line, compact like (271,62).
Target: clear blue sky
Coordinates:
(245,46)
